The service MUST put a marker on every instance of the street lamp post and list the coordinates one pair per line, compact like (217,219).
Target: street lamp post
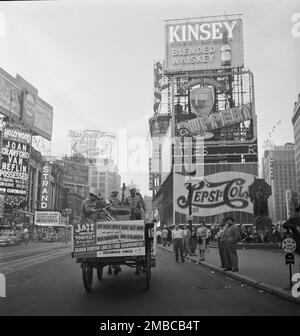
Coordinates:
(190,221)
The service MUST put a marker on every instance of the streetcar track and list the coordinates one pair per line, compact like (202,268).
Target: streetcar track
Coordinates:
(16,266)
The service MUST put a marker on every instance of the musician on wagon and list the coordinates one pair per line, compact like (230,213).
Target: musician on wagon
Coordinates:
(136,203)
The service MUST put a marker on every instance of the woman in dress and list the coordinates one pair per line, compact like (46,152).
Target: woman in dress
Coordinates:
(193,241)
(201,242)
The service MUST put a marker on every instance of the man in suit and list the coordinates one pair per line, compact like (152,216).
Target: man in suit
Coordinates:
(230,239)
(220,238)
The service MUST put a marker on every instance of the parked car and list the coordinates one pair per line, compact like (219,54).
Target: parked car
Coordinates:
(50,237)
(13,240)
(4,241)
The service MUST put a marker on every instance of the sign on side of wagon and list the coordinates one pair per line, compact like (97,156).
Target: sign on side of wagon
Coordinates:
(204,44)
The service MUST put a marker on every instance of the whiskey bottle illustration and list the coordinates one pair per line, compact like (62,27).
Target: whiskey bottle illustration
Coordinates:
(225,50)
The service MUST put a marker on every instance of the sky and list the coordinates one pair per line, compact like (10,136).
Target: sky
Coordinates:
(93,61)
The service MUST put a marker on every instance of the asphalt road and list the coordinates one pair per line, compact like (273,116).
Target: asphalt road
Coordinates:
(45,280)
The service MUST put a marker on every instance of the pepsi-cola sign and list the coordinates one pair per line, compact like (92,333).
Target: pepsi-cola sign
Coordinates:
(215,194)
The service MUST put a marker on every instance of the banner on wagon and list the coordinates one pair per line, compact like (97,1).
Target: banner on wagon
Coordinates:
(110,239)
(124,238)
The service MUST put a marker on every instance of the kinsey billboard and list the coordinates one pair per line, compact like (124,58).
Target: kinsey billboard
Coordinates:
(14,166)
(206,43)
(215,194)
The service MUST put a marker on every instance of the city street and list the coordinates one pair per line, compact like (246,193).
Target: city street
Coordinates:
(45,280)
(131,131)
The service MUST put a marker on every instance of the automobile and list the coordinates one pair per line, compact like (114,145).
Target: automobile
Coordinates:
(14,240)
(50,237)
(4,241)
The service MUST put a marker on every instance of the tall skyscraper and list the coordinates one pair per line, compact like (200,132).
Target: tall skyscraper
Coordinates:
(279,170)
(296,125)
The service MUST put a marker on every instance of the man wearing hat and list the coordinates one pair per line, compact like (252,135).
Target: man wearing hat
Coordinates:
(113,198)
(88,206)
(231,237)
(135,201)
(220,238)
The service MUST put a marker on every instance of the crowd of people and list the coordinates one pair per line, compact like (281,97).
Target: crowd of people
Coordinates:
(194,240)
(186,240)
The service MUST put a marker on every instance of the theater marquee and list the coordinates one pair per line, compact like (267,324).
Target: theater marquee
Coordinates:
(204,44)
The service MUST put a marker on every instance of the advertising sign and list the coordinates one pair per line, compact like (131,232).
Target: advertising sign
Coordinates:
(28,108)
(45,192)
(215,194)
(206,43)
(93,143)
(75,173)
(2,201)
(43,119)
(161,84)
(14,164)
(110,239)
(10,97)
(205,123)
(17,101)
(48,218)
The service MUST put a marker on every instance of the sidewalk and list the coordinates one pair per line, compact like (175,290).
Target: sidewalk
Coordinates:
(263,269)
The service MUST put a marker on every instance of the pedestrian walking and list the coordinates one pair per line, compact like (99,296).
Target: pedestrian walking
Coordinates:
(193,241)
(177,236)
(164,236)
(158,236)
(230,239)
(169,237)
(186,240)
(201,241)
(220,235)
(208,237)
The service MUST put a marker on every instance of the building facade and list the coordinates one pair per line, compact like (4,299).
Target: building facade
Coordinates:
(279,171)
(296,126)
(104,178)
(207,155)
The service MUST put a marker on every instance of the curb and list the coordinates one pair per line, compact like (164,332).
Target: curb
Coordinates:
(251,247)
(249,281)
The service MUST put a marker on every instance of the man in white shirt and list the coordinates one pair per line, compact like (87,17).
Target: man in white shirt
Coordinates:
(186,240)
(177,236)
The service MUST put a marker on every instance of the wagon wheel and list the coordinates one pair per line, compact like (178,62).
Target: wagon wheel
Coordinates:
(100,273)
(87,276)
